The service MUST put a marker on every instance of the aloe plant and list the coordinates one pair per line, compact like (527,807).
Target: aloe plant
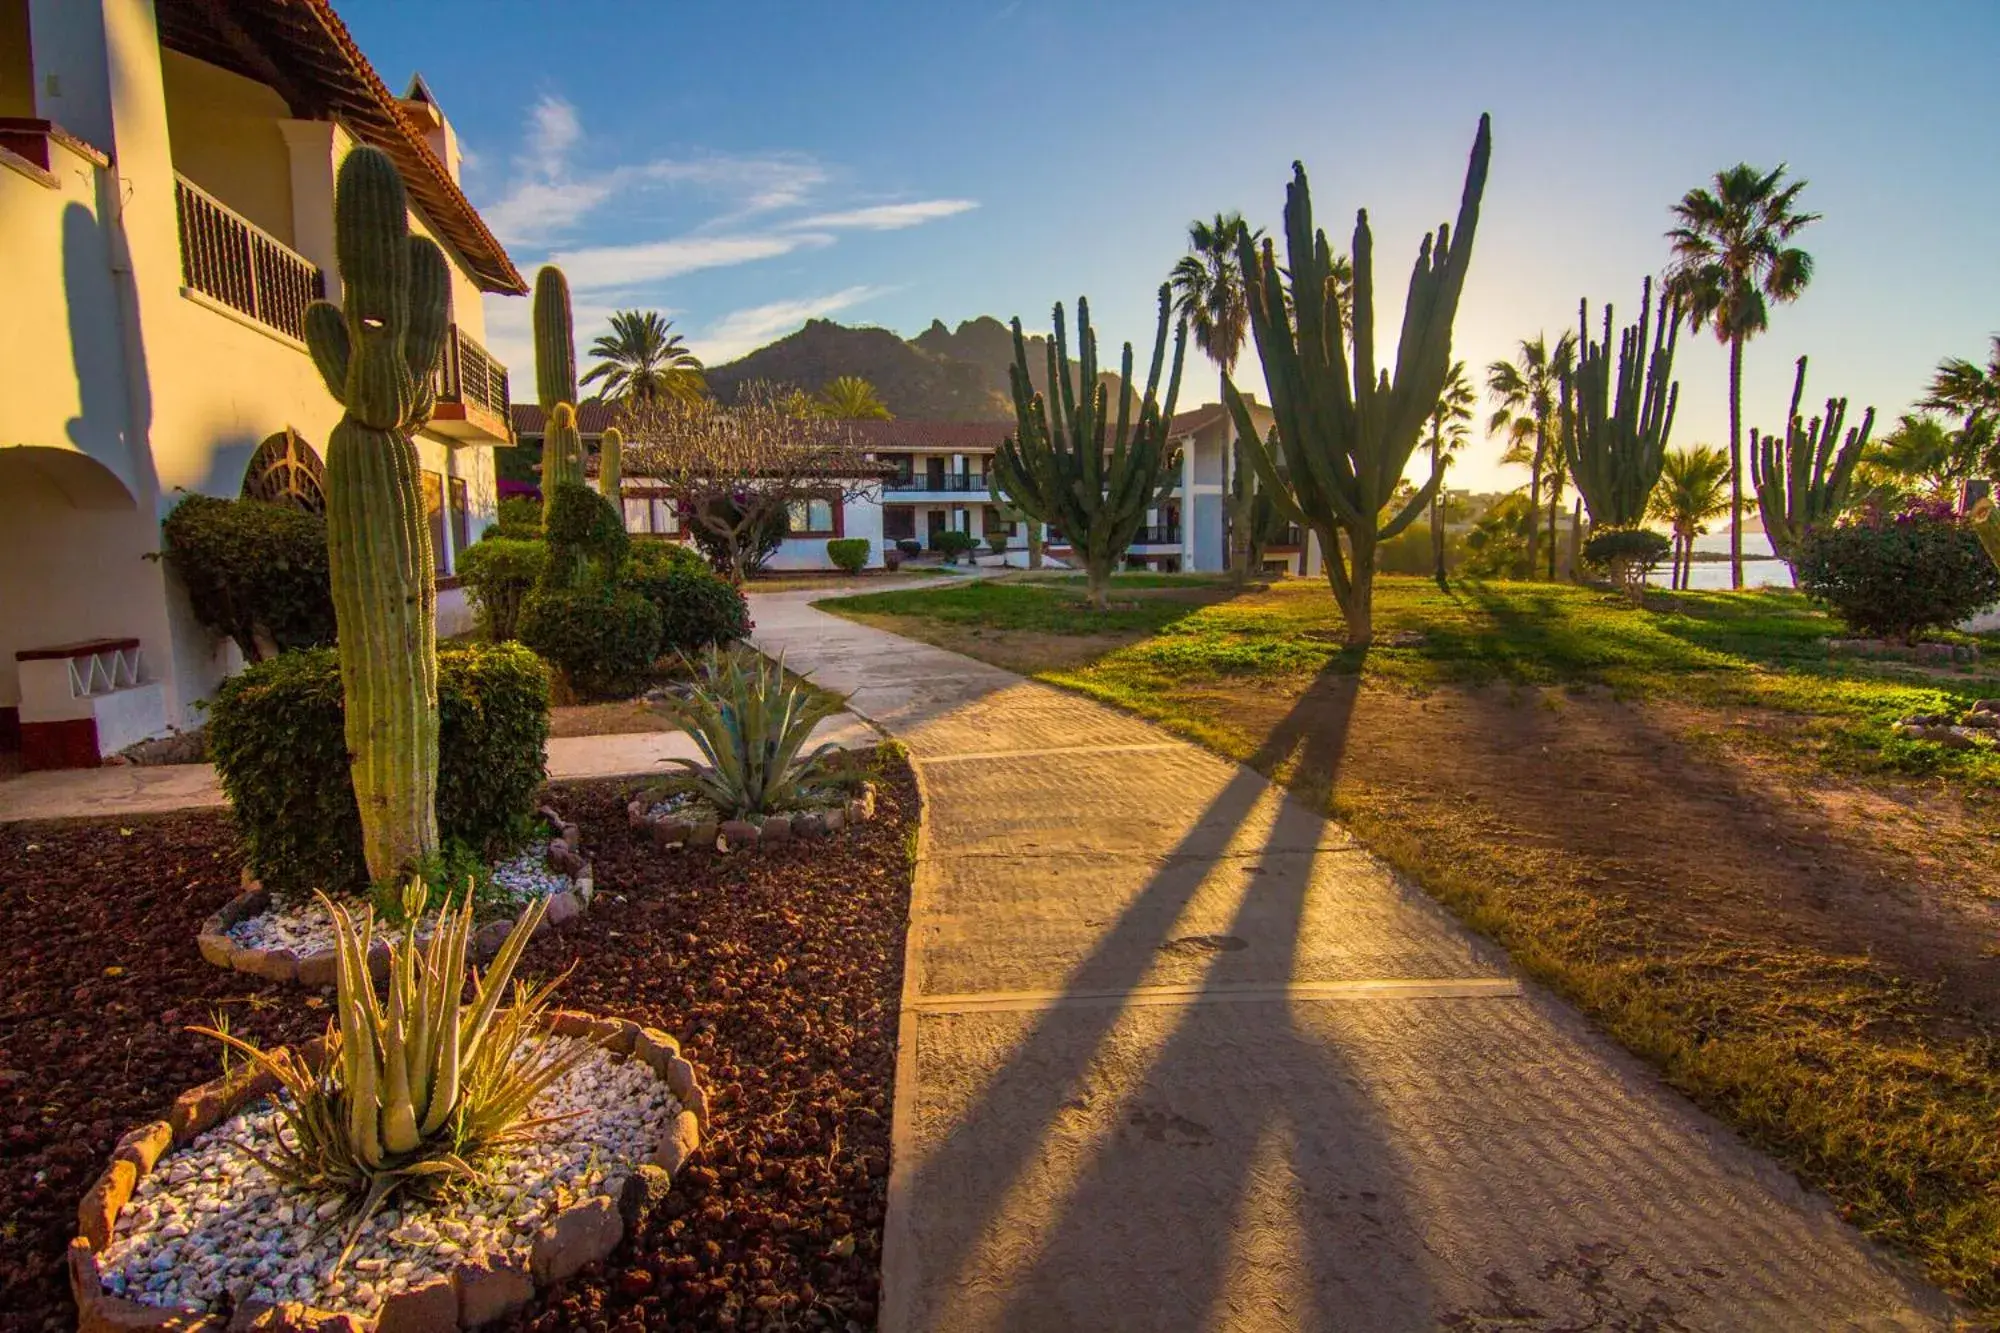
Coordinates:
(751,721)
(413,1087)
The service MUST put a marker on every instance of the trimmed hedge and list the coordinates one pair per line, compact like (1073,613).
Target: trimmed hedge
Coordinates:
(849,553)
(278,736)
(256,572)
(586,537)
(499,573)
(603,637)
(696,608)
(1894,576)
(519,517)
(952,544)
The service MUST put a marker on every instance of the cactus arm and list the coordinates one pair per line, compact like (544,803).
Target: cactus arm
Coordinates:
(326,339)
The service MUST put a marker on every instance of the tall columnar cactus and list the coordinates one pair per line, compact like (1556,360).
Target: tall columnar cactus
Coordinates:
(1345,433)
(1803,479)
(1615,430)
(611,464)
(1060,468)
(562,454)
(555,340)
(376,353)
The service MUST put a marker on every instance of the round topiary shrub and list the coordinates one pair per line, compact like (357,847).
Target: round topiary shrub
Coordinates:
(255,572)
(277,732)
(952,544)
(697,608)
(849,553)
(910,546)
(1894,576)
(498,574)
(585,535)
(518,517)
(602,637)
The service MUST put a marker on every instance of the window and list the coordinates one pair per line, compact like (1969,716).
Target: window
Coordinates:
(285,470)
(434,512)
(666,517)
(638,515)
(812,517)
(461,518)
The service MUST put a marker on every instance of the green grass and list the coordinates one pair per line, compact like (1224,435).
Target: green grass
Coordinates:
(1763,649)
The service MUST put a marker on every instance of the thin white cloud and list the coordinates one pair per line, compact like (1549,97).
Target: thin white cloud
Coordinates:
(602,267)
(744,330)
(891,217)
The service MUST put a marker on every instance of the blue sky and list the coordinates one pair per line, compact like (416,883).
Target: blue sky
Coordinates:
(741,167)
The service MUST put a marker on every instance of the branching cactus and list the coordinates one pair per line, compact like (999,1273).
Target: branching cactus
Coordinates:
(1345,431)
(1615,429)
(611,466)
(1802,479)
(376,352)
(1060,467)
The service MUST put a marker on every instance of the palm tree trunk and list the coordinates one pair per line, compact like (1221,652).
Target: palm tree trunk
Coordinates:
(1555,500)
(1736,462)
(1535,496)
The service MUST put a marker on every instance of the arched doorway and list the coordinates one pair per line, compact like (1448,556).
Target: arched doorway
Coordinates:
(286,470)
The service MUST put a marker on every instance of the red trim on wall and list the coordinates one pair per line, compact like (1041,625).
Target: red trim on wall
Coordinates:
(87,648)
(71,743)
(10,729)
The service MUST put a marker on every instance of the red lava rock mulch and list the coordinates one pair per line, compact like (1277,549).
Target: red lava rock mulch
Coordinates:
(780,973)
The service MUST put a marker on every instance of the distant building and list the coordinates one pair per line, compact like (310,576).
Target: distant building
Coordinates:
(166,215)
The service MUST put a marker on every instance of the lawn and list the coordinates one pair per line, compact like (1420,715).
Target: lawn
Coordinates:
(1690,819)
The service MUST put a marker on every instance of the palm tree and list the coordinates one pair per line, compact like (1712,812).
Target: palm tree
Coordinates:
(1209,293)
(1921,456)
(1732,261)
(1690,493)
(1973,393)
(644,361)
(1446,431)
(1529,392)
(851,398)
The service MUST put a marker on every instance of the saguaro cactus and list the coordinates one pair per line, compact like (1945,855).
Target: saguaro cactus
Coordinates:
(555,340)
(611,466)
(376,353)
(562,454)
(1615,431)
(1344,432)
(1058,467)
(1801,479)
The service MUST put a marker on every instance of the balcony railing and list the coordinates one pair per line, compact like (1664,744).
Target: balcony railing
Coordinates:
(967,482)
(226,256)
(467,373)
(1163,535)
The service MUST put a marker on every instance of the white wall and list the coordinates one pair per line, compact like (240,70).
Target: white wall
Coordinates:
(861,517)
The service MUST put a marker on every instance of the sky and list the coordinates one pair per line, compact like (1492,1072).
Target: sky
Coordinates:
(744,167)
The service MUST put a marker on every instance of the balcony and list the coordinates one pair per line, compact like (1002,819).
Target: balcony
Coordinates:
(950,483)
(230,259)
(1163,535)
(471,390)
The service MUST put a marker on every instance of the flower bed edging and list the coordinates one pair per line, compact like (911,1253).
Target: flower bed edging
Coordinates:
(317,968)
(672,831)
(478,1291)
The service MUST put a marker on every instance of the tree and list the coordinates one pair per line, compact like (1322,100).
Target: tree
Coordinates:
(1528,390)
(1209,294)
(1973,394)
(1922,457)
(1446,431)
(737,472)
(1344,432)
(643,360)
(1057,469)
(1733,260)
(1692,490)
(851,398)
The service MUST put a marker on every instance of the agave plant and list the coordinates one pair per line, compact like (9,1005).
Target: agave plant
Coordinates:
(414,1088)
(751,720)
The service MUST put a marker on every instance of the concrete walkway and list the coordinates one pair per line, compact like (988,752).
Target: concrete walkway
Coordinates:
(1177,1055)
(128,789)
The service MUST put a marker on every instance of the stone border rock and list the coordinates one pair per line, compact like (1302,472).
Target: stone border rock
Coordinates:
(477,1292)
(317,969)
(1924,653)
(675,831)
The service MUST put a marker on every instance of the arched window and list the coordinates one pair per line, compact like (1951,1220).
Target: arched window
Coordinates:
(285,470)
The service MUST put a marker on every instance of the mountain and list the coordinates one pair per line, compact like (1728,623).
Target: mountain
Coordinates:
(939,375)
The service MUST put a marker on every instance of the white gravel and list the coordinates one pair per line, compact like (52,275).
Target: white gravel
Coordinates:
(305,927)
(210,1221)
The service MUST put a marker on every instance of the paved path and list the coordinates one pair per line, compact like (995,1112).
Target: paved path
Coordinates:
(130,789)
(1177,1055)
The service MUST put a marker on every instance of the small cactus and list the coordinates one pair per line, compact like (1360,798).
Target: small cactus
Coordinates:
(611,465)
(562,454)
(376,353)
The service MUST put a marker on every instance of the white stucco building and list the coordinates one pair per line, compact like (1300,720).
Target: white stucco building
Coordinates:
(166,214)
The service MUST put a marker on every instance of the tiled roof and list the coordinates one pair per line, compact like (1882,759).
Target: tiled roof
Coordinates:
(908,433)
(1200,418)
(591,418)
(301,49)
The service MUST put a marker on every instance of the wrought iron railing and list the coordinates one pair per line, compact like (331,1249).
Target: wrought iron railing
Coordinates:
(968,482)
(1163,535)
(226,256)
(467,373)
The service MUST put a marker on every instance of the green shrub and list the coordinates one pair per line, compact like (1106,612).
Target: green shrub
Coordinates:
(952,544)
(910,546)
(658,555)
(277,733)
(1628,555)
(255,572)
(697,608)
(499,573)
(519,517)
(1897,575)
(586,538)
(997,542)
(849,553)
(760,543)
(602,637)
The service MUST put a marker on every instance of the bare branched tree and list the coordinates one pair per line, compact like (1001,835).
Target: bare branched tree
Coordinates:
(738,473)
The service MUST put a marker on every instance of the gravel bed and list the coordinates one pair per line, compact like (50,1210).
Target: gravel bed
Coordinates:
(210,1227)
(305,927)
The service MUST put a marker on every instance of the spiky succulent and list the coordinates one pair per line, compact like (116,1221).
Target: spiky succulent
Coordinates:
(751,721)
(414,1088)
